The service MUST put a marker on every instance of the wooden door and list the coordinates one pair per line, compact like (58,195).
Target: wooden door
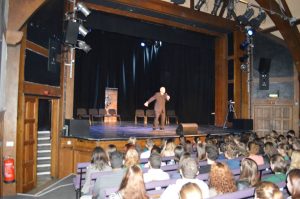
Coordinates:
(29,143)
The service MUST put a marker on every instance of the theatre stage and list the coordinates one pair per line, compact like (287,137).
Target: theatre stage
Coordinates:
(124,130)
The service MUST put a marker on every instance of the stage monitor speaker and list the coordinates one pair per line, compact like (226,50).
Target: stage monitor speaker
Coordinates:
(71,33)
(187,129)
(243,124)
(77,127)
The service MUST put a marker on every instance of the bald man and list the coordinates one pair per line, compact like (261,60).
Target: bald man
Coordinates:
(160,111)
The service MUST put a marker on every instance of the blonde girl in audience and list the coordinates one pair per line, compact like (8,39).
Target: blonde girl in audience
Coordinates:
(132,185)
(99,162)
(267,190)
(168,149)
(293,183)
(295,160)
(132,157)
(190,191)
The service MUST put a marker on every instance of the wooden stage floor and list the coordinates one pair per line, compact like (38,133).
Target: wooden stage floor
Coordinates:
(124,130)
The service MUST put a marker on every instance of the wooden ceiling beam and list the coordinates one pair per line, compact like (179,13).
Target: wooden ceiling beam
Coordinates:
(286,8)
(289,33)
(274,28)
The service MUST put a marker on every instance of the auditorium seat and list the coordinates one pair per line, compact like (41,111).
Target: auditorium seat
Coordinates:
(95,115)
(113,112)
(82,114)
(171,114)
(139,113)
(149,114)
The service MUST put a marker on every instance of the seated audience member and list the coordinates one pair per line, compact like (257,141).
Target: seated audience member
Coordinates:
(155,149)
(296,144)
(293,183)
(132,140)
(221,179)
(295,160)
(285,151)
(231,154)
(279,168)
(267,190)
(149,146)
(111,148)
(291,133)
(155,173)
(201,153)
(132,185)
(253,151)
(249,175)
(112,180)
(188,169)
(131,158)
(190,191)
(211,157)
(168,149)
(178,151)
(222,151)
(188,147)
(269,150)
(182,140)
(99,163)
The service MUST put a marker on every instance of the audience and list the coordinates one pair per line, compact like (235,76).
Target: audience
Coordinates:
(253,153)
(295,160)
(221,179)
(168,149)
(269,150)
(285,151)
(190,191)
(99,163)
(201,153)
(249,175)
(188,170)
(149,146)
(211,157)
(113,179)
(132,185)
(111,148)
(293,183)
(231,154)
(267,190)
(155,173)
(131,158)
(178,151)
(279,168)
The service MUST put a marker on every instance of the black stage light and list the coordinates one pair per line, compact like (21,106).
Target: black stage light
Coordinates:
(216,7)
(255,22)
(244,19)
(200,4)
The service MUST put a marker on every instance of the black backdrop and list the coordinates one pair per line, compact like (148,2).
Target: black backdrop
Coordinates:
(119,61)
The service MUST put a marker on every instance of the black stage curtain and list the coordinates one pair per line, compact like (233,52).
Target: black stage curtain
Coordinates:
(119,61)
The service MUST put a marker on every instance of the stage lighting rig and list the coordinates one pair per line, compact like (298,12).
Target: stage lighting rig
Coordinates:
(199,4)
(217,5)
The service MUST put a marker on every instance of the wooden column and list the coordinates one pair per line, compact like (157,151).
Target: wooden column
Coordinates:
(240,79)
(221,80)
(1,151)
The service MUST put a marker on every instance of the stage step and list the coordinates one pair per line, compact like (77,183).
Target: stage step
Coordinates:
(44,153)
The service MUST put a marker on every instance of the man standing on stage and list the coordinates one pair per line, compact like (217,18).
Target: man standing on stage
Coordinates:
(159,107)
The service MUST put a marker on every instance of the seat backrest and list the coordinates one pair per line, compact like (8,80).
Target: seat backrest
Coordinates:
(112,111)
(171,113)
(102,111)
(93,111)
(81,111)
(150,113)
(139,113)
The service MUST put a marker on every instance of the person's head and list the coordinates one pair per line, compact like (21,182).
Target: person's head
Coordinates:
(190,191)
(284,149)
(162,90)
(221,178)
(149,143)
(116,160)
(212,152)
(99,158)
(155,160)
(131,158)
(270,149)
(155,149)
(295,160)
(128,146)
(296,144)
(281,139)
(111,148)
(249,171)
(293,183)
(267,190)
(278,164)
(291,133)
(231,151)
(201,153)
(253,148)
(132,185)
(178,151)
(188,168)
(182,140)
(188,147)
(132,140)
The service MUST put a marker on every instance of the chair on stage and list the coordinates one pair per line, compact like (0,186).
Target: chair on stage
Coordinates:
(82,114)
(171,114)
(113,112)
(149,113)
(139,113)
(95,115)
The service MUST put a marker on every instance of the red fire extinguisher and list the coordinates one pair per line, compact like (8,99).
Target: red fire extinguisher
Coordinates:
(9,170)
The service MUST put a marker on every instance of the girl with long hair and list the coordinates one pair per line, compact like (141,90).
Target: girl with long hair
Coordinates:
(249,175)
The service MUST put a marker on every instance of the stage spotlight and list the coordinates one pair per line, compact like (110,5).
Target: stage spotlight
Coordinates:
(255,22)
(200,4)
(83,31)
(82,8)
(157,44)
(84,46)
(143,44)
(230,10)
(244,45)
(250,31)
(216,7)
(244,67)
(244,58)
(244,19)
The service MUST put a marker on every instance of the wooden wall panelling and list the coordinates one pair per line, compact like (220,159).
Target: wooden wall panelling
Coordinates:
(1,145)
(55,133)
(66,157)
(41,90)
(221,80)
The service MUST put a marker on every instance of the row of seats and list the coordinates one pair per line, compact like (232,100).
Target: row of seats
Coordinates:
(140,113)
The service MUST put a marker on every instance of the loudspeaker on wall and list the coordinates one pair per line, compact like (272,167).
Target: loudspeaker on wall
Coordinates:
(71,33)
